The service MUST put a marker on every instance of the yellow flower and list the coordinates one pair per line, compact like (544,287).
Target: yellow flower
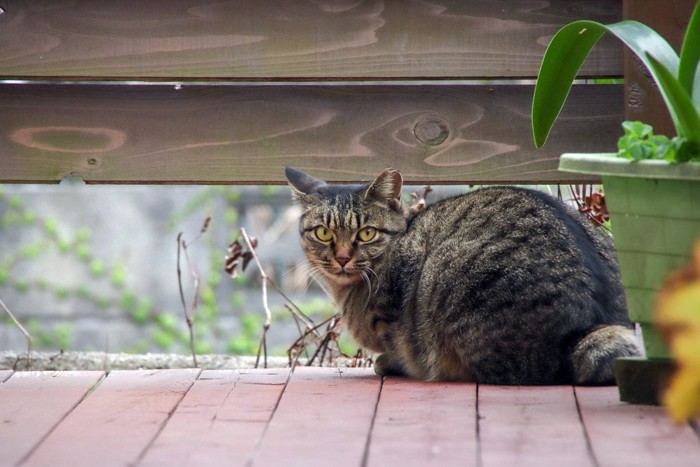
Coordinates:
(678,317)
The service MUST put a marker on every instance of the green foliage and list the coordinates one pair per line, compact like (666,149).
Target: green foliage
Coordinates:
(51,227)
(107,283)
(97,268)
(144,308)
(58,336)
(4,276)
(639,142)
(676,77)
(118,276)
(247,340)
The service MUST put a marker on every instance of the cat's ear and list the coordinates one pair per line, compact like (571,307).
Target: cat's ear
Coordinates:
(387,187)
(302,184)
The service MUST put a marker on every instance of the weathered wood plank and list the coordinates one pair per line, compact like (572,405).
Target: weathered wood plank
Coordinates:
(643,100)
(221,419)
(247,134)
(530,426)
(424,423)
(634,435)
(323,419)
(33,403)
(117,421)
(250,39)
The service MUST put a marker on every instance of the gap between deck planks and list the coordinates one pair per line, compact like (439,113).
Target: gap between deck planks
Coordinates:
(322,416)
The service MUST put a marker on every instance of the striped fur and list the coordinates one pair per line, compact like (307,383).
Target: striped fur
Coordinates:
(502,285)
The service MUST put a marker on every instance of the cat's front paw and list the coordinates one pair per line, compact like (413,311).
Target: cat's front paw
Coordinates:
(387,365)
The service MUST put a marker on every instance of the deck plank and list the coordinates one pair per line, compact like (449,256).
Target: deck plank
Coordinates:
(634,435)
(424,423)
(220,420)
(323,418)
(117,421)
(530,426)
(33,403)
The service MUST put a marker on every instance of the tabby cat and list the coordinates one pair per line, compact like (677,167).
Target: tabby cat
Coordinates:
(502,285)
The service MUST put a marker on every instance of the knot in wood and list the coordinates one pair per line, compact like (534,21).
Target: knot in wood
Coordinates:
(431,131)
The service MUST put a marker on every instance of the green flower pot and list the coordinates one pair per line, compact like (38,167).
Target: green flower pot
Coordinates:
(655,218)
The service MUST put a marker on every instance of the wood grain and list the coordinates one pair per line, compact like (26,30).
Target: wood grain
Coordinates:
(117,421)
(424,423)
(643,100)
(33,403)
(248,133)
(220,420)
(249,39)
(323,419)
(648,438)
(530,426)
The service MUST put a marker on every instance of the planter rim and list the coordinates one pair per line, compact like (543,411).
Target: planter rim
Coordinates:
(609,164)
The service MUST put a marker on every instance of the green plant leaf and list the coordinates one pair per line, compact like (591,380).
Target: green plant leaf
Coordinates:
(689,67)
(562,60)
(687,117)
(567,52)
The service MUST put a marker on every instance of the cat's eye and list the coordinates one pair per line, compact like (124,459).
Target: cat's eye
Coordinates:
(367,234)
(323,234)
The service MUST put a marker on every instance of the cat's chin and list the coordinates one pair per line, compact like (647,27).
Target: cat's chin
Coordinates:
(343,278)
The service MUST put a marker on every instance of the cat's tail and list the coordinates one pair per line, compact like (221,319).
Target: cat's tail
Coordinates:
(592,357)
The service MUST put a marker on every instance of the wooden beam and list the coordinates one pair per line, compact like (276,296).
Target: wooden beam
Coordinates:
(275,39)
(248,133)
(642,98)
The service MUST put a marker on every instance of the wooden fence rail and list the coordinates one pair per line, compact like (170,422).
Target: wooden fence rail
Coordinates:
(188,91)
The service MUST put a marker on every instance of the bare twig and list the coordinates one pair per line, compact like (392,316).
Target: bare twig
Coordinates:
(238,256)
(322,340)
(266,306)
(22,329)
(182,246)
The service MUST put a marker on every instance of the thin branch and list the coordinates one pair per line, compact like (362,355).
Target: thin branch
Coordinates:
(22,329)
(263,276)
(236,256)
(189,317)
(268,314)
(189,314)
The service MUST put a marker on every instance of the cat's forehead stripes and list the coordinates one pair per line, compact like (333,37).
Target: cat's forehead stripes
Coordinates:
(345,214)
(340,213)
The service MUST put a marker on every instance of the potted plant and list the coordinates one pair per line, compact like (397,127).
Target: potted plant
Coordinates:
(652,185)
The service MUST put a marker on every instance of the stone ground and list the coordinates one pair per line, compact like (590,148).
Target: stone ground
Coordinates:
(69,361)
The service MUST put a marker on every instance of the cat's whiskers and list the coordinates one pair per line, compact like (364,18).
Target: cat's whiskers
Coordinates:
(303,264)
(366,280)
(375,276)
(308,270)
(316,275)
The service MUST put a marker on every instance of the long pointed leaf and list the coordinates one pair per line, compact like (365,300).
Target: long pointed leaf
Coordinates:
(690,57)
(686,113)
(562,60)
(566,53)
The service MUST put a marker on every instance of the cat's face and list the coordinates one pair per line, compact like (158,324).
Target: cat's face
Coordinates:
(345,229)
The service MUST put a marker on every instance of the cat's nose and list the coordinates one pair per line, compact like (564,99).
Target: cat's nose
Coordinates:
(343,255)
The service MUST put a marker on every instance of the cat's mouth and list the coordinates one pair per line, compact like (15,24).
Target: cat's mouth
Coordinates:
(344,274)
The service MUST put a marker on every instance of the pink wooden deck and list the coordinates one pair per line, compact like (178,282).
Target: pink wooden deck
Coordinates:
(325,417)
